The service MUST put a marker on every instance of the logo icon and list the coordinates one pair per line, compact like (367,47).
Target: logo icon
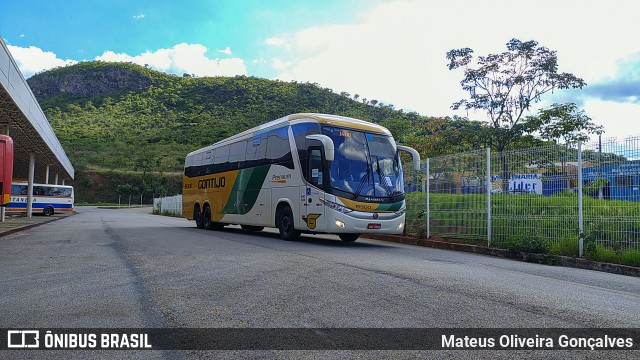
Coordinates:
(375,216)
(311,220)
(20,339)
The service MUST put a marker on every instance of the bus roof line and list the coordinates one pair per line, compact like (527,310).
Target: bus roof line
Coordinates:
(341,121)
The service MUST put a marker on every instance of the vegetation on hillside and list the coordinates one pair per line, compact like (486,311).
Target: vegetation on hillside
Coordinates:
(121,117)
(114,117)
(114,124)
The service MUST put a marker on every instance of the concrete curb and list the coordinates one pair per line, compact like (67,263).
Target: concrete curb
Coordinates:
(30,226)
(537,258)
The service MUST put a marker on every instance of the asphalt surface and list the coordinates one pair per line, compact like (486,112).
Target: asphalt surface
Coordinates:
(127,268)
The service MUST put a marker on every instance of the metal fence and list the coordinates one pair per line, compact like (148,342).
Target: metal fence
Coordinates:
(456,195)
(168,205)
(612,193)
(555,194)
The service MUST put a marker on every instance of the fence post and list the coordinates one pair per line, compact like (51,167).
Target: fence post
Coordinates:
(428,191)
(580,214)
(488,180)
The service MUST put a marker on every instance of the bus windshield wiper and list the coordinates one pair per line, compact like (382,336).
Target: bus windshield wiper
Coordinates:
(364,179)
(383,182)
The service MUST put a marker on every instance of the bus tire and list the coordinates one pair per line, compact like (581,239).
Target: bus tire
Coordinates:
(349,237)
(252,228)
(286,225)
(197,216)
(48,211)
(206,218)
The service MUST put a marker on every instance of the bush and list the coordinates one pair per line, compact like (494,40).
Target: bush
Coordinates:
(529,243)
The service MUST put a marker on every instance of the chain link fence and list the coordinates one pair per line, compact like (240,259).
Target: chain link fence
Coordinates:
(538,200)
(457,196)
(612,193)
(558,198)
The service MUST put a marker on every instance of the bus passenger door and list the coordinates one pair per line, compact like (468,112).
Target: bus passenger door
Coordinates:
(311,195)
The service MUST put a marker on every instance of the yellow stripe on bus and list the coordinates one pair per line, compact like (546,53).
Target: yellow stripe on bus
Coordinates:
(361,206)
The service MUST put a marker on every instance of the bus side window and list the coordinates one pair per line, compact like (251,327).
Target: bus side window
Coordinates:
(238,154)
(315,167)
(221,159)
(278,149)
(19,189)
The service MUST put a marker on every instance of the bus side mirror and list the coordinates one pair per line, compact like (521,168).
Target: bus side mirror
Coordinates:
(327,144)
(414,154)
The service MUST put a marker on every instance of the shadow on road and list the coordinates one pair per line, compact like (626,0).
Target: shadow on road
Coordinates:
(304,238)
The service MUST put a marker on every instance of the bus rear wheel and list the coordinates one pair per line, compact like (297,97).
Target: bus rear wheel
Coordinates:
(207,223)
(197,216)
(48,211)
(206,218)
(349,237)
(285,225)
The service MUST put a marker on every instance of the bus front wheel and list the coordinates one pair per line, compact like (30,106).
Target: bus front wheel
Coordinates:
(349,237)
(285,225)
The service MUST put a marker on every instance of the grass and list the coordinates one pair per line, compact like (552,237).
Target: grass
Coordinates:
(533,223)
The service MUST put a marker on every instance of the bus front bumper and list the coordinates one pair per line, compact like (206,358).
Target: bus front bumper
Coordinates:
(340,223)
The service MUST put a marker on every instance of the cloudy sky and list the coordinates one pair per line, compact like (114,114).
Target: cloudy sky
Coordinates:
(389,50)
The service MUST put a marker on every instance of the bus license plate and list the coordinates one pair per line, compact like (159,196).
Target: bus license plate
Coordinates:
(374,226)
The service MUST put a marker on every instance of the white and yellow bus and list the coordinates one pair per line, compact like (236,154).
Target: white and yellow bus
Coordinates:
(303,173)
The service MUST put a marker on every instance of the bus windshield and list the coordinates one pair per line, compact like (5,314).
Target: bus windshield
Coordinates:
(364,164)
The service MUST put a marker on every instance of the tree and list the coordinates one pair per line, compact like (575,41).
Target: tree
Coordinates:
(562,121)
(505,85)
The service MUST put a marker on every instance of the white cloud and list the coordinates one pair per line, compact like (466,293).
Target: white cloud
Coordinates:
(32,59)
(280,65)
(139,16)
(183,58)
(396,52)
(275,41)
(617,118)
(226,51)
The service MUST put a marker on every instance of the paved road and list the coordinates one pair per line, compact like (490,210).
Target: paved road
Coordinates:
(128,268)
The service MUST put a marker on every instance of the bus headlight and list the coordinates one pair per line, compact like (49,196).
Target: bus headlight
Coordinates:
(340,224)
(335,206)
(401,226)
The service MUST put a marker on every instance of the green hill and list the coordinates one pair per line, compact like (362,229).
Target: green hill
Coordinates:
(127,128)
